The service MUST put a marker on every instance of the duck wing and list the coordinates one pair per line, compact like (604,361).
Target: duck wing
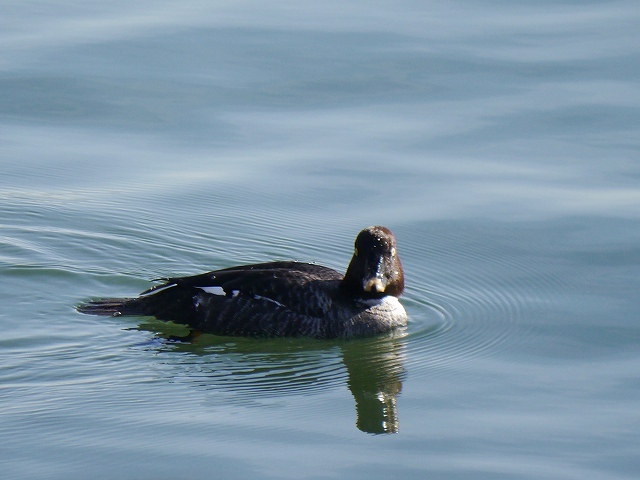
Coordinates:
(300,287)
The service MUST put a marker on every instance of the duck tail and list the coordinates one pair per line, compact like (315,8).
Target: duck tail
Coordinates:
(166,302)
(111,307)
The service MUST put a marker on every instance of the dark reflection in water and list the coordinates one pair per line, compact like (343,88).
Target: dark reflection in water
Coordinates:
(259,368)
(374,376)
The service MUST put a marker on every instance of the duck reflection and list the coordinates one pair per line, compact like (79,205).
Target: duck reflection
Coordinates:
(278,367)
(375,375)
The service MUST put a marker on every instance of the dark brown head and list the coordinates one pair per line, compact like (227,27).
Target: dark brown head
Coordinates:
(375,269)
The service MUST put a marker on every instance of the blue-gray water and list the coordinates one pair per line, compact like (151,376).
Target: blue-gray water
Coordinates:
(499,141)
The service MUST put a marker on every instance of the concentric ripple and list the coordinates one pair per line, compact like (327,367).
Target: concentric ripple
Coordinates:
(469,302)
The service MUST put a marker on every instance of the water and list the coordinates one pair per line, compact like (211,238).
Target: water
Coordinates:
(499,142)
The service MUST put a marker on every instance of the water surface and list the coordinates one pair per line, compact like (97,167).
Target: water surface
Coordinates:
(499,142)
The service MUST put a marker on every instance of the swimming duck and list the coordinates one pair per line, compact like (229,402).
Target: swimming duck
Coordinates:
(281,298)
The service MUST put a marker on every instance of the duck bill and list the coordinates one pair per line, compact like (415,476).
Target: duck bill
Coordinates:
(374,285)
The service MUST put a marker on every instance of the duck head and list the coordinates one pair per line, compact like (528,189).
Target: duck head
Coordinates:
(375,269)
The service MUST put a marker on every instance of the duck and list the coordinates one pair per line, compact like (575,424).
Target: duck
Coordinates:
(281,298)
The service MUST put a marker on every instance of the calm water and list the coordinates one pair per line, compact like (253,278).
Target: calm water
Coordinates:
(499,142)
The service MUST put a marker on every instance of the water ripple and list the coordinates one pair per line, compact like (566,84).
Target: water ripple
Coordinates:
(470,304)
(245,371)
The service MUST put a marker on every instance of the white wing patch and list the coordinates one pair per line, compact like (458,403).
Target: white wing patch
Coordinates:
(213,290)
(218,291)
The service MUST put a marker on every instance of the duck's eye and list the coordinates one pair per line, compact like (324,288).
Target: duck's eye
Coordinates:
(393,252)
